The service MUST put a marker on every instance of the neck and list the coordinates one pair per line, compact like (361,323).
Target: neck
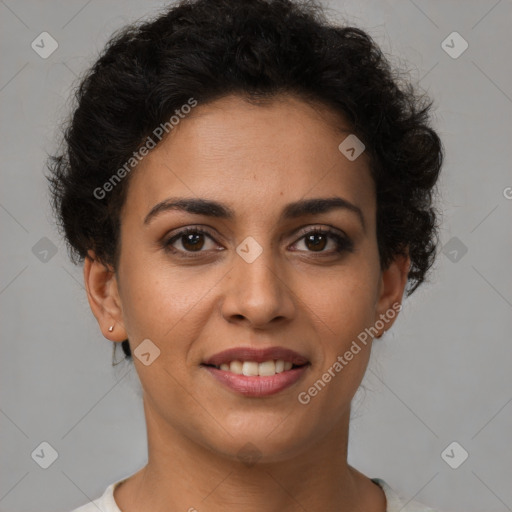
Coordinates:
(181,474)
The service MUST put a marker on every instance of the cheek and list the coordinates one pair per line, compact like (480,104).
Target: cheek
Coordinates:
(166,304)
(343,302)
(342,308)
(341,315)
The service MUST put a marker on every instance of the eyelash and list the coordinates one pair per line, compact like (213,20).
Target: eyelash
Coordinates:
(343,244)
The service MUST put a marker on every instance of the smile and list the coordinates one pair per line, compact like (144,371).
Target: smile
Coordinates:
(254,369)
(257,372)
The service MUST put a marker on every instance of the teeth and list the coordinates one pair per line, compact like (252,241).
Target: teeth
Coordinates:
(250,369)
(267,368)
(236,367)
(254,369)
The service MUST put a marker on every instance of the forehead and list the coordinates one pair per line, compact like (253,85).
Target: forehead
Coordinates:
(252,156)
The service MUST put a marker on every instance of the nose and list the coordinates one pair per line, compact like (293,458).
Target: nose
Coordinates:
(257,293)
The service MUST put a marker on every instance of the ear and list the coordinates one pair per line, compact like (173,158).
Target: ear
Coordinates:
(392,286)
(103,296)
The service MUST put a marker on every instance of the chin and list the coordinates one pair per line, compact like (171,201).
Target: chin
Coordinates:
(251,443)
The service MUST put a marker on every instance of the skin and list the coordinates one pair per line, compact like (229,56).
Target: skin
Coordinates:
(256,159)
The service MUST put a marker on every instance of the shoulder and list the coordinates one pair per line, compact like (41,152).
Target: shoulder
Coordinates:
(395,503)
(105,503)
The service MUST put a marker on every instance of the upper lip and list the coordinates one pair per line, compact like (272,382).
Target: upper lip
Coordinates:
(258,355)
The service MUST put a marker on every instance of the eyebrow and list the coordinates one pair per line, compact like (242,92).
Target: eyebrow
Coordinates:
(210,208)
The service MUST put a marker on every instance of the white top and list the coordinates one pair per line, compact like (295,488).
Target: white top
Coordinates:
(395,503)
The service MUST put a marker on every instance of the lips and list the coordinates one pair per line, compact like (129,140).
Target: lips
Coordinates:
(256,355)
(257,372)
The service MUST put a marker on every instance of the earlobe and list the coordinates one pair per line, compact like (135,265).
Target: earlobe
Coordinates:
(393,282)
(103,296)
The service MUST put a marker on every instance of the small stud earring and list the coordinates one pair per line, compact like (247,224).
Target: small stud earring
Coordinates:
(111,328)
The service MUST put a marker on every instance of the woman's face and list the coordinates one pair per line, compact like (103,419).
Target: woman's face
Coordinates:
(257,278)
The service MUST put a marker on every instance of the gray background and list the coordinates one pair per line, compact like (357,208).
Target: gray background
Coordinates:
(442,374)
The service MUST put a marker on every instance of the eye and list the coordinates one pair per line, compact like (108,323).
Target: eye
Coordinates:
(195,240)
(189,240)
(317,239)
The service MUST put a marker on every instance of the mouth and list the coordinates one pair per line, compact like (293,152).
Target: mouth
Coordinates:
(257,372)
(255,369)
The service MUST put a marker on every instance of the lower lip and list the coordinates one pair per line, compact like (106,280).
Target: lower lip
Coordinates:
(258,386)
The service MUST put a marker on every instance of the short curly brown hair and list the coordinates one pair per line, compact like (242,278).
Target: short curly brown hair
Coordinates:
(207,49)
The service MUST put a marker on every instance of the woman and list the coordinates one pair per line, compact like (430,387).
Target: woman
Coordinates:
(251,193)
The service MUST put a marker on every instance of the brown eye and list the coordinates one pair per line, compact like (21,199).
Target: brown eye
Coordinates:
(316,241)
(189,241)
(192,241)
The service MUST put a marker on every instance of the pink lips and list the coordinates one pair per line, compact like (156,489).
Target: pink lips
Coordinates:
(257,386)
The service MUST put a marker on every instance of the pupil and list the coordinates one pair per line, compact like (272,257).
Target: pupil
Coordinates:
(316,245)
(191,241)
